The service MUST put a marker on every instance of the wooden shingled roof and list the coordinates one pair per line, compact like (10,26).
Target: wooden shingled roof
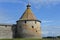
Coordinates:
(28,14)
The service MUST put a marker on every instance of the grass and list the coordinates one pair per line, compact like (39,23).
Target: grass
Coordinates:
(21,39)
(33,39)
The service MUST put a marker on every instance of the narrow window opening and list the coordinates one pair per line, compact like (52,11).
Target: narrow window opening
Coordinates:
(25,21)
(35,22)
(36,30)
(32,26)
(20,27)
(5,25)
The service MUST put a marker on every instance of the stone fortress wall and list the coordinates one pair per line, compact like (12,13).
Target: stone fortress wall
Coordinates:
(5,31)
(26,27)
(23,29)
(29,29)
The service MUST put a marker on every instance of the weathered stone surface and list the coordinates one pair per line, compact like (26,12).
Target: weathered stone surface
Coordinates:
(26,31)
(27,27)
(5,31)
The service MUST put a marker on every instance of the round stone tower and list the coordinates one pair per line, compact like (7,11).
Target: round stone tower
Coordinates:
(28,26)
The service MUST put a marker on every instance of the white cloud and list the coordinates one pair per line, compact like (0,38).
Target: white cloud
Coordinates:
(46,21)
(12,1)
(33,1)
(45,32)
(50,33)
(4,18)
(48,3)
(44,1)
(2,15)
(9,0)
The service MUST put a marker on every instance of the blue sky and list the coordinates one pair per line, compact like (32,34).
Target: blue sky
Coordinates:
(48,11)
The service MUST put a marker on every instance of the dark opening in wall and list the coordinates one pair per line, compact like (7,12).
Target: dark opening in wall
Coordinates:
(5,25)
(25,22)
(35,22)
(20,27)
(36,30)
(32,26)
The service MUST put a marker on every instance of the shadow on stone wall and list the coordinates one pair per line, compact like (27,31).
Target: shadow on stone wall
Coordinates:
(15,32)
(17,35)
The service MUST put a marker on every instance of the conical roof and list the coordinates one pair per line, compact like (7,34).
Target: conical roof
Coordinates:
(28,14)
